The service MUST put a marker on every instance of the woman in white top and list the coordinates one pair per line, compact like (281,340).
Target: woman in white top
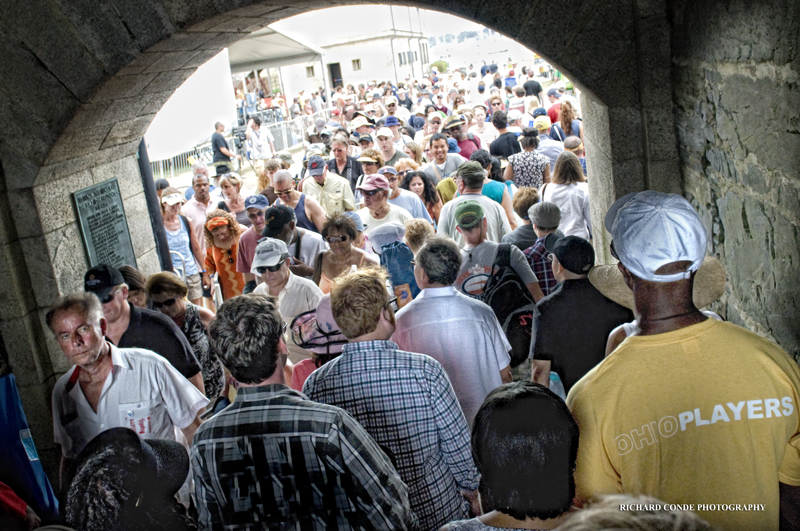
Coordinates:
(568,190)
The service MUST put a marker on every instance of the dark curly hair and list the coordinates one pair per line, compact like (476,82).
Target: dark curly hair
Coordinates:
(429,194)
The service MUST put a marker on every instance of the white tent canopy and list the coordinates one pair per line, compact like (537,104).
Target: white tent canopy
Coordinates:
(268,48)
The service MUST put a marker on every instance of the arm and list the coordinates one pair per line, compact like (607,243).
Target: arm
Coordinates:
(505,375)
(507,206)
(190,430)
(508,173)
(790,507)
(349,198)
(615,338)
(226,151)
(535,291)
(197,381)
(196,247)
(546,178)
(540,372)
(206,316)
(315,212)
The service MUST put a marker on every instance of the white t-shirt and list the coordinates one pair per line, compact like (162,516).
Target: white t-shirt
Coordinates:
(143,392)
(477,264)
(396,215)
(573,201)
(497,221)
(460,333)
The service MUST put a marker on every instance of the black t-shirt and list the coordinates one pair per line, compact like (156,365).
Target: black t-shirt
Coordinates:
(405,103)
(155,331)
(217,142)
(571,326)
(504,146)
(532,87)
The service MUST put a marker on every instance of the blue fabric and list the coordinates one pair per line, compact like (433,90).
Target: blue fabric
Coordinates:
(396,258)
(179,241)
(494,191)
(20,467)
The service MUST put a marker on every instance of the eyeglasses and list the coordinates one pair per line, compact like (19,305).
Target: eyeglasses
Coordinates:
(371,193)
(166,304)
(272,269)
(392,179)
(109,297)
(392,303)
(496,104)
(436,123)
(336,239)
(391,105)
(413,262)
(284,192)
(259,214)
(230,256)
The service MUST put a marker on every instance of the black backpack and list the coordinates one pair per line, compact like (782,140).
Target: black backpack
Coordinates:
(512,303)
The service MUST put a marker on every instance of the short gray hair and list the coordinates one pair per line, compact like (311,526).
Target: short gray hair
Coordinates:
(472,174)
(84,302)
(245,334)
(198,165)
(440,258)
(282,176)
(607,513)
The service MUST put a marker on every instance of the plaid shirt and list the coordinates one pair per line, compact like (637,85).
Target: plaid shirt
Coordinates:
(537,257)
(275,460)
(405,401)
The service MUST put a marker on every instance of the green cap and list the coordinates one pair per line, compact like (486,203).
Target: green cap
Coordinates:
(468,214)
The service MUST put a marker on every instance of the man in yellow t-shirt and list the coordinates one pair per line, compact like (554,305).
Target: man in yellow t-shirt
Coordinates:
(696,412)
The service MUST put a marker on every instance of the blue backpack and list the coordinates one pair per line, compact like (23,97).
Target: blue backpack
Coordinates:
(396,258)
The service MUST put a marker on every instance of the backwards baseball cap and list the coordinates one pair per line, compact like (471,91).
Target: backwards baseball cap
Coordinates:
(375,181)
(554,92)
(391,121)
(539,111)
(360,227)
(101,279)
(542,123)
(573,252)
(316,165)
(277,217)
(256,201)
(652,229)
(269,252)
(452,146)
(545,214)
(365,138)
(468,214)
(387,169)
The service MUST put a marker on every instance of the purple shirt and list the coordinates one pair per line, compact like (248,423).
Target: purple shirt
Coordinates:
(538,258)
(247,250)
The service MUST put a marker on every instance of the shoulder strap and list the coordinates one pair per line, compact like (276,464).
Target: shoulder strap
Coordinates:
(436,169)
(472,137)
(299,243)
(503,258)
(543,187)
(186,224)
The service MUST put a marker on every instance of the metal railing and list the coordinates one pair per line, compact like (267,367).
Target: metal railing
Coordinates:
(287,134)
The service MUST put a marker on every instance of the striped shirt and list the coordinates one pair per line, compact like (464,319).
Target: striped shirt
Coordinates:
(275,460)
(405,401)
(542,265)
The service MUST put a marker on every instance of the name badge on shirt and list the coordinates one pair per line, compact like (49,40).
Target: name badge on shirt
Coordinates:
(136,417)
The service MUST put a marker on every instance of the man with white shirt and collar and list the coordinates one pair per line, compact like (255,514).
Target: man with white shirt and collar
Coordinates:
(303,245)
(295,294)
(474,349)
(109,387)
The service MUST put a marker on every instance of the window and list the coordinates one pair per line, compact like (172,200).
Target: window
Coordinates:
(402,57)
(356,64)
(309,71)
(416,58)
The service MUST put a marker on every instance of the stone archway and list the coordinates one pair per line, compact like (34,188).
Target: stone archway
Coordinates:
(84,81)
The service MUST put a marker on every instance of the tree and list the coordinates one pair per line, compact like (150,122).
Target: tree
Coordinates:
(442,66)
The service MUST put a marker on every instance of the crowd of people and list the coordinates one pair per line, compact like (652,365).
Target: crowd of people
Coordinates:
(415,335)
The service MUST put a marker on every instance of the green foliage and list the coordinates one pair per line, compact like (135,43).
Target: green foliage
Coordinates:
(441,65)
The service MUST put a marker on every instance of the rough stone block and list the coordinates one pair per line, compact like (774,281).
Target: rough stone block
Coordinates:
(168,81)
(128,131)
(661,142)
(22,209)
(257,10)
(201,58)
(504,16)
(146,20)
(628,176)
(626,133)
(26,135)
(139,63)
(170,61)
(182,42)
(156,102)
(68,258)
(596,126)
(665,176)
(126,171)
(15,290)
(20,344)
(124,109)
(100,27)
(53,200)
(120,87)
(71,146)
(222,40)
(19,172)
(148,263)
(139,224)
(209,22)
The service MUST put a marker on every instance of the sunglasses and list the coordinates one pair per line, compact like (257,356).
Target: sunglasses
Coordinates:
(109,297)
(166,304)
(436,123)
(257,215)
(337,239)
(371,193)
(272,269)
(230,256)
(284,192)
(392,179)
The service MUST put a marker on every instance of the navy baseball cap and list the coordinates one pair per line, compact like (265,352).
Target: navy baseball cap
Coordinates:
(391,120)
(256,201)
(101,279)
(316,165)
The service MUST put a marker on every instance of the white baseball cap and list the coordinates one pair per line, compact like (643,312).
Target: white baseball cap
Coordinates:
(653,229)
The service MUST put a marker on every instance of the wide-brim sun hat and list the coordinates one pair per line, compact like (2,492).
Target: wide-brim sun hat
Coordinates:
(709,283)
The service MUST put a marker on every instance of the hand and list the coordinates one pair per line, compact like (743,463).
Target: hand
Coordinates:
(474,502)
(301,269)
(207,283)
(31,520)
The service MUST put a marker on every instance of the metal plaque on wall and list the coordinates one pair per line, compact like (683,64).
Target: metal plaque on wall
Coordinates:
(104,229)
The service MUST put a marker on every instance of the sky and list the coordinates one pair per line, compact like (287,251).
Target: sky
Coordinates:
(188,117)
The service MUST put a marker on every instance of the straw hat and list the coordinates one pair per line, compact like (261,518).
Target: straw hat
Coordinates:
(709,283)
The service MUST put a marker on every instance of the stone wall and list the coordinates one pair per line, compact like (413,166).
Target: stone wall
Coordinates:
(736,67)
